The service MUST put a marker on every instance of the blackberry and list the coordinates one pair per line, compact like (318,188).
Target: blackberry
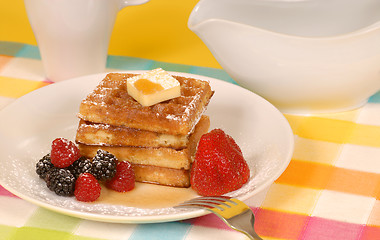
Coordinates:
(61,181)
(43,166)
(104,165)
(82,165)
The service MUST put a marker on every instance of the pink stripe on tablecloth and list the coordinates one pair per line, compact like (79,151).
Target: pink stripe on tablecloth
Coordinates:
(46,80)
(5,192)
(268,223)
(325,229)
(285,225)
(280,224)
(370,233)
(212,221)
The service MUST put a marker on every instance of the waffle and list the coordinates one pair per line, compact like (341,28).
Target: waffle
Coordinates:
(107,135)
(110,104)
(159,165)
(160,157)
(159,141)
(154,156)
(162,176)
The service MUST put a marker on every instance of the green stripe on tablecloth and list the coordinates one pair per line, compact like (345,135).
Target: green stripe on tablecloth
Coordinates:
(120,62)
(6,232)
(171,66)
(29,51)
(10,48)
(212,72)
(31,233)
(19,50)
(43,218)
(128,63)
(375,98)
(133,63)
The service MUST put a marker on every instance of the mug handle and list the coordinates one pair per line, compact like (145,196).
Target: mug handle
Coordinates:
(125,3)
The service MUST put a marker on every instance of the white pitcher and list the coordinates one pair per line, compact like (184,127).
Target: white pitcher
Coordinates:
(73,35)
(302,55)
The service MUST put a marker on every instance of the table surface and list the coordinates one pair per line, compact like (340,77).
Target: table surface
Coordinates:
(330,190)
(146,31)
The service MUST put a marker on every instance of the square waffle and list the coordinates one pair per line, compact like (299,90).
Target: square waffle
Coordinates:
(153,164)
(111,104)
(159,140)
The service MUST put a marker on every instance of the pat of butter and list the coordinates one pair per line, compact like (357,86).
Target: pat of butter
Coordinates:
(153,87)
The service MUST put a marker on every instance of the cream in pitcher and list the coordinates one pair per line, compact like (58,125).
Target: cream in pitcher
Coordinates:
(73,35)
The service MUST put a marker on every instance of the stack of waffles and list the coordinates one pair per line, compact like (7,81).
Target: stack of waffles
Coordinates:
(159,140)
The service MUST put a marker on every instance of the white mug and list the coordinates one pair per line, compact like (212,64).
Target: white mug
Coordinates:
(73,35)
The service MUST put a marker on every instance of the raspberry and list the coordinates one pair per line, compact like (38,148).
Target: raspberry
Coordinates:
(87,188)
(104,165)
(124,179)
(82,165)
(219,166)
(63,153)
(61,181)
(43,166)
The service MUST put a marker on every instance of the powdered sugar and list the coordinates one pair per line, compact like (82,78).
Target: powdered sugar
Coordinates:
(258,128)
(19,175)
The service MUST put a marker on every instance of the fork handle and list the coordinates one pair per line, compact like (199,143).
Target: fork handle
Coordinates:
(245,222)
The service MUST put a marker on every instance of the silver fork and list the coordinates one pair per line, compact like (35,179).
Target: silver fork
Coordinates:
(236,214)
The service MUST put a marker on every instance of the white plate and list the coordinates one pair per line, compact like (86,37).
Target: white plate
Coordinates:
(28,125)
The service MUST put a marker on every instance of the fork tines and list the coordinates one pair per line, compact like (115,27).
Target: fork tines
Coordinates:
(236,214)
(219,202)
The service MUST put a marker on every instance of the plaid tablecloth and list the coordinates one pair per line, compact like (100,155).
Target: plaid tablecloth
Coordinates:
(330,191)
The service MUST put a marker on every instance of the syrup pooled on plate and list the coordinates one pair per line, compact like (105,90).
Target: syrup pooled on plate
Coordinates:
(146,195)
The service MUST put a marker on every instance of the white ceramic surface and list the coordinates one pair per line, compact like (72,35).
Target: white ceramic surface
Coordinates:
(303,56)
(73,35)
(28,125)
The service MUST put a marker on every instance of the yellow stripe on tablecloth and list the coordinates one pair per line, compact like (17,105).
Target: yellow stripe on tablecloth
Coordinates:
(316,151)
(16,87)
(351,115)
(306,174)
(290,198)
(322,176)
(324,129)
(365,135)
(335,130)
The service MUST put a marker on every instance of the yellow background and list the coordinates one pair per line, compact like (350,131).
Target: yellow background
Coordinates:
(156,30)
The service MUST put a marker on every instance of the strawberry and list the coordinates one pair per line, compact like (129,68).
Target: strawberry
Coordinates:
(124,179)
(219,166)
(63,153)
(87,188)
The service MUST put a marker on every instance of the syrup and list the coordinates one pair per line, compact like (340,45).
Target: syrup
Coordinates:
(146,195)
(147,87)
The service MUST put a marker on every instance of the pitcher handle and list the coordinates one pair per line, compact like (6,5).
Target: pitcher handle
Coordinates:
(125,3)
